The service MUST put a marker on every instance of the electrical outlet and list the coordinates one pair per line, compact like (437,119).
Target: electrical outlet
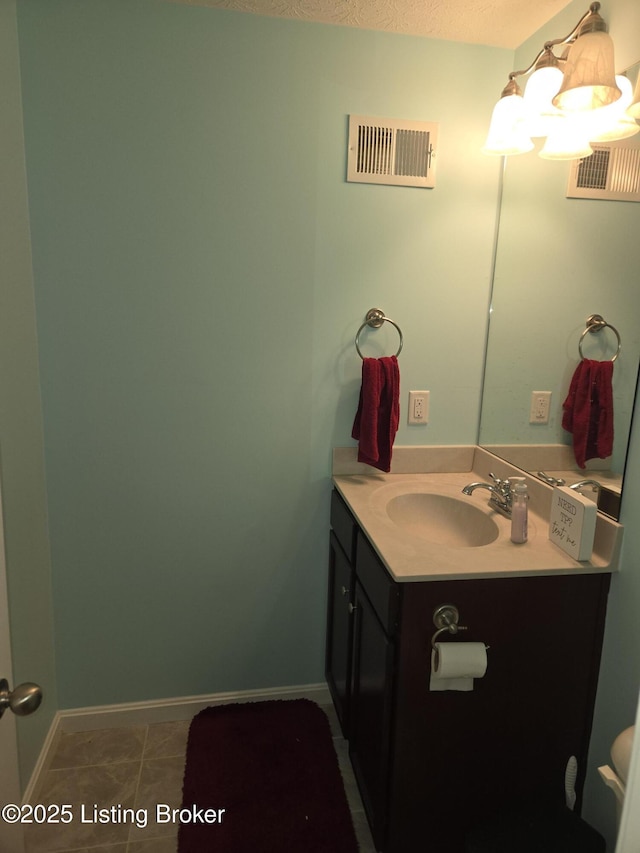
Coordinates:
(540,406)
(418,407)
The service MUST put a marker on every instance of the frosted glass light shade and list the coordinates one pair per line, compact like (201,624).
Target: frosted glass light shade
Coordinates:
(623,128)
(634,109)
(540,112)
(589,76)
(507,132)
(612,122)
(568,142)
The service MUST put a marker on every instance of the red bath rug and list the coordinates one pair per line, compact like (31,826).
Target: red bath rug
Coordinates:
(263,776)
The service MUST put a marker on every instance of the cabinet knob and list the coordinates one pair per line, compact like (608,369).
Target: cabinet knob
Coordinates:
(352,608)
(345,591)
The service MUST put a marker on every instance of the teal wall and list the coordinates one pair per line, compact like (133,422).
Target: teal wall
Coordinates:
(201,268)
(22,479)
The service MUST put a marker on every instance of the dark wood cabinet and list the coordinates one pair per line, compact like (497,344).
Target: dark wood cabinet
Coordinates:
(340,630)
(341,598)
(371,711)
(430,765)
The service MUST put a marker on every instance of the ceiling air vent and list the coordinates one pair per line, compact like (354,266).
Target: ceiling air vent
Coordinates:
(392,151)
(612,172)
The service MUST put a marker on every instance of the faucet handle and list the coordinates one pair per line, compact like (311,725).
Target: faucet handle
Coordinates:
(503,485)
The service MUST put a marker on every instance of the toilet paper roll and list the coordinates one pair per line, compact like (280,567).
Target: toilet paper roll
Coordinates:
(455,665)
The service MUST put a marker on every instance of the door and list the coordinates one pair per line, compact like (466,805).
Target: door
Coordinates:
(11,836)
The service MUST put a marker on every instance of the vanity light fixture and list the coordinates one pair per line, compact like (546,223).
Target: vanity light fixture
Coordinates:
(572,99)
(634,109)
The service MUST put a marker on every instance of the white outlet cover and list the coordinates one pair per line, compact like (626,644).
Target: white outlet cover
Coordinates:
(540,407)
(418,407)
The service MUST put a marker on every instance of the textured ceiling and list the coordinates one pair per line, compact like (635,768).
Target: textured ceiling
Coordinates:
(498,23)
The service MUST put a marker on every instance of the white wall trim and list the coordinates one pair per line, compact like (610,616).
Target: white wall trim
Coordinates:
(180,708)
(44,758)
(155,711)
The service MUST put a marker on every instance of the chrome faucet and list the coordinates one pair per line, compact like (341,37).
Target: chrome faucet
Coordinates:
(501,494)
(595,485)
(551,481)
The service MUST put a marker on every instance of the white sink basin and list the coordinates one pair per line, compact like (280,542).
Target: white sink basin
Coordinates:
(442,519)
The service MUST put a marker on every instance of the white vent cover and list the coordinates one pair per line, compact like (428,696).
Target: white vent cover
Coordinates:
(612,172)
(392,151)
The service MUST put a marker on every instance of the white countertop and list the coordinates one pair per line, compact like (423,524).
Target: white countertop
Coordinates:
(409,557)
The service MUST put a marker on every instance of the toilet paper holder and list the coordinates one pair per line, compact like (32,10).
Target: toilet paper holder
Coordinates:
(446,617)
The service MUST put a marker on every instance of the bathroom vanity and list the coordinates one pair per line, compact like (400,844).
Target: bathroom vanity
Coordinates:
(430,765)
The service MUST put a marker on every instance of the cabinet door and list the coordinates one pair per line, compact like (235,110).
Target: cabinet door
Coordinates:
(461,756)
(370,722)
(339,631)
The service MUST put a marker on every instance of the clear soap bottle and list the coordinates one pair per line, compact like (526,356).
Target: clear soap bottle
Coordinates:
(519,510)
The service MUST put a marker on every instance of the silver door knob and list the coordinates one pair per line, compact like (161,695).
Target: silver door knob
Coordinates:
(22,700)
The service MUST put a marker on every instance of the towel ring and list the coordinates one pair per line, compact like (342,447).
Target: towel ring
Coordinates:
(374,319)
(596,323)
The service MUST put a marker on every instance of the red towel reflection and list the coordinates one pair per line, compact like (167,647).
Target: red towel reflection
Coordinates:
(588,410)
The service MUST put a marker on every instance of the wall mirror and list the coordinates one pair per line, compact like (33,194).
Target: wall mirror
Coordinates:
(559,260)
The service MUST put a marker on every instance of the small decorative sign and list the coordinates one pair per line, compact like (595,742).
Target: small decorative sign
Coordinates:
(572,523)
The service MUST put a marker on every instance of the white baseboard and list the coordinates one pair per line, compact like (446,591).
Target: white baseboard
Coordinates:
(156,711)
(44,759)
(180,708)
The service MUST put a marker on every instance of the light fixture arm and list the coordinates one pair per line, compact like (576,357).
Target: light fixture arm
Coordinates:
(596,24)
(524,72)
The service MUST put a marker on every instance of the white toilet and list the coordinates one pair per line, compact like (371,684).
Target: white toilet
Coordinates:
(621,758)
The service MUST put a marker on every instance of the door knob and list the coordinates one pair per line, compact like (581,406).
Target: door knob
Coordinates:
(22,700)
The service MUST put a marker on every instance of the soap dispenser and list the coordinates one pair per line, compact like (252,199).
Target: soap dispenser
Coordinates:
(519,510)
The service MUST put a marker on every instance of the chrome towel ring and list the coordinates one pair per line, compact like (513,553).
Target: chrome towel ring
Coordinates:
(374,319)
(596,323)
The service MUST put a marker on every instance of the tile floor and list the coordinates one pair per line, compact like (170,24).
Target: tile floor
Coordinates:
(135,767)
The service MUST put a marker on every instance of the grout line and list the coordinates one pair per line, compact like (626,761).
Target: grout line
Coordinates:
(137,791)
(144,744)
(89,766)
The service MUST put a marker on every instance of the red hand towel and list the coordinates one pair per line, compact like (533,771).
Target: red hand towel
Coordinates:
(588,410)
(378,415)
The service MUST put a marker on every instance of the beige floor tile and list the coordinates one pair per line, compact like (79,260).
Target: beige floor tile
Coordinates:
(165,740)
(137,768)
(160,783)
(349,780)
(110,787)
(102,746)
(153,845)
(102,848)
(363,833)
(334,723)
